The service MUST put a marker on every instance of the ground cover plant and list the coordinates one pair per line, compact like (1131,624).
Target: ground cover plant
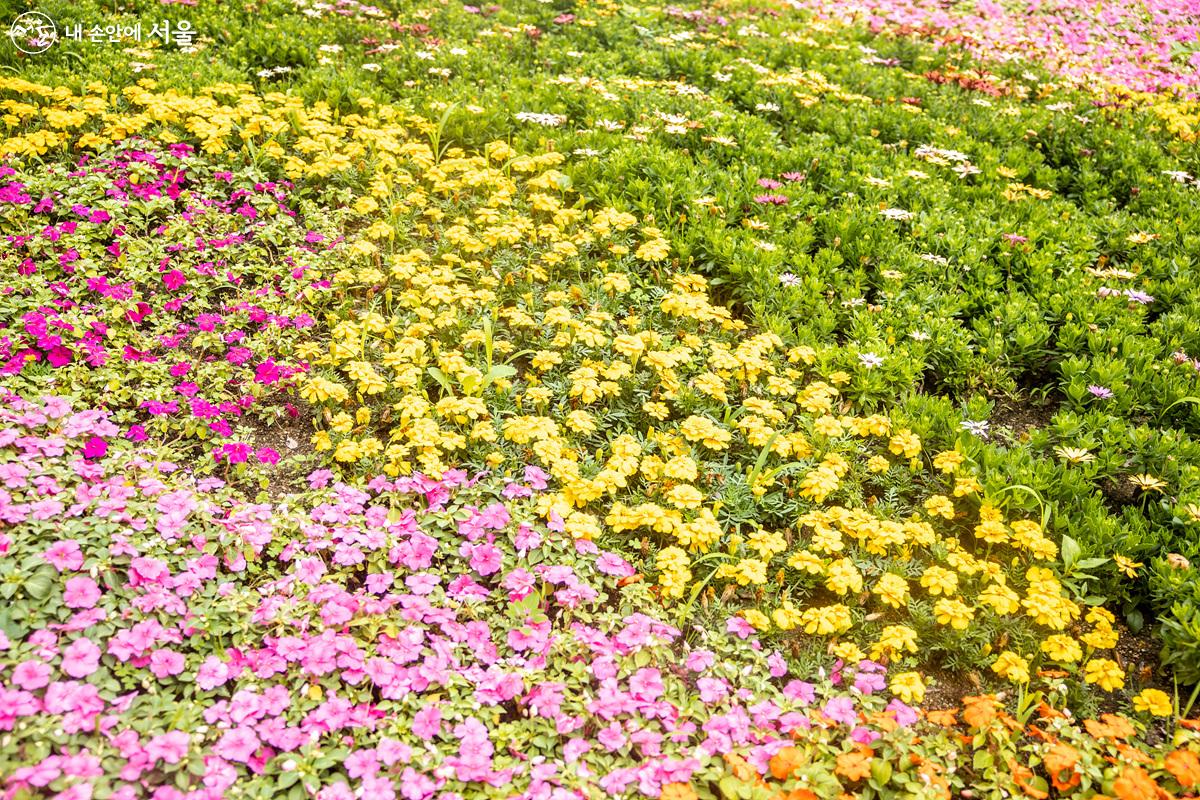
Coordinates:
(586,399)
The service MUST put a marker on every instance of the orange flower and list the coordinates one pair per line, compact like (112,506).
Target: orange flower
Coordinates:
(978,712)
(1062,758)
(678,791)
(1184,765)
(1023,777)
(785,762)
(1135,784)
(942,717)
(740,768)
(799,794)
(1110,727)
(855,765)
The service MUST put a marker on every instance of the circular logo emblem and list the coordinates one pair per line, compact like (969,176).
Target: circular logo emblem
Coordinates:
(33,32)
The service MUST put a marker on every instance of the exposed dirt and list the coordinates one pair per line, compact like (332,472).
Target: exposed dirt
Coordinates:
(289,436)
(1118,494)
(1022,415)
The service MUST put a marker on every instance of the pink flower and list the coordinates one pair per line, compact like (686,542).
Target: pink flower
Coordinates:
(81,592)
(700,660)
(239,744)
(81,658)
(739,627)
(427,723)
(30,675)
(212,673)
(171,747)
(164,663)
(613,564)
(646,684)
(485,559)
(64,555)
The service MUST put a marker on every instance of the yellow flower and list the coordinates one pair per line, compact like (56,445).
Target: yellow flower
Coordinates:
(878,464)
(1102,637)
(1155,702)
(1002,599)
(1127,565)
(908,686)
(891,589)
(844,577)
(827,620)
(940,506)
(1061,648)
(685,496)
(905,443)
(939,580)
(1104,673)
(953,613)
(948,460)
(894,640)
(756,618)
(1011,667)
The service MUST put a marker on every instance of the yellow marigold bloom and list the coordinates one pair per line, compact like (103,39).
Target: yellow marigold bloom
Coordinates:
(1099,615)
(849,652)
(1104,673)
(843,577)
(767,544)
(582,526)
(966,485)
(940,506)
(756,618)
(953,613)
(807,562)
(1050,609)
(674,573)
(579,420)
(1011,667)
(878,464)
(653,250)
(827,426)
(786,617)
(818,484)
(1155,702)
(705,431)
(347,450)
(751,571)
(948,460)
(1061,648)
(826,620)
(699,534)
(940,581)
(891,589)
(681,468)
(545,359)
(895,640)
(992,532)
(908,686)
(655,409)
(685,496)
(905,443)
(1002,599)
(1102,637)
